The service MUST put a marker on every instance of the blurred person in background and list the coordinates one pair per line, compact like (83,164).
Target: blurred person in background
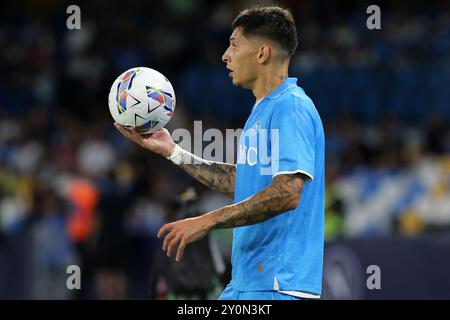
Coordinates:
(198,275)
(113,244)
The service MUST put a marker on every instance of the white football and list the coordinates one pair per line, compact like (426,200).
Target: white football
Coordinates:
(143,98)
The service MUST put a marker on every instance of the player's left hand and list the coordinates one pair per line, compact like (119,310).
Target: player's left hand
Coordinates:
(181,233)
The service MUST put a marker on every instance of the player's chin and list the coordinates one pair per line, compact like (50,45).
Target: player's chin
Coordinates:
(236,81)
(241,84)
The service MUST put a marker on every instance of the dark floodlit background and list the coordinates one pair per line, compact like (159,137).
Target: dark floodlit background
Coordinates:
(75,192)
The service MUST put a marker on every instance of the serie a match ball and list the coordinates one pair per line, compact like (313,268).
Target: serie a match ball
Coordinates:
(142,98)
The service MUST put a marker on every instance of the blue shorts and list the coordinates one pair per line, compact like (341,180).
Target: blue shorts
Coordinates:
(230,294)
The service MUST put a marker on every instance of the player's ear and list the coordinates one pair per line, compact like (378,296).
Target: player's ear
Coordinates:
(264,53)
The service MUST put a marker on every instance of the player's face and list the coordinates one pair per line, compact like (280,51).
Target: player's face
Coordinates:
(241,59)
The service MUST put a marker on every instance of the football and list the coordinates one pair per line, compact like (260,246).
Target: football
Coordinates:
(143,98)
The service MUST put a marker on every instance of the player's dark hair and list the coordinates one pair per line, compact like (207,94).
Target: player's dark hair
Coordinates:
(273,23)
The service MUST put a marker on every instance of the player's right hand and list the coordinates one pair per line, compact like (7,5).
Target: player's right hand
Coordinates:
(159,142)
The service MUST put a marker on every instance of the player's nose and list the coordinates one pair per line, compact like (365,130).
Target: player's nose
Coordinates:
(226,57)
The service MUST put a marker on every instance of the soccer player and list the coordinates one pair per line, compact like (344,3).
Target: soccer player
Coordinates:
(278,210)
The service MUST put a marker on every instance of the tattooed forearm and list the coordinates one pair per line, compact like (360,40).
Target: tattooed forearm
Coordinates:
(215,175)
(282,195)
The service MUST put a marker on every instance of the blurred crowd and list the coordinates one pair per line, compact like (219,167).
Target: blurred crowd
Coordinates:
(74,191)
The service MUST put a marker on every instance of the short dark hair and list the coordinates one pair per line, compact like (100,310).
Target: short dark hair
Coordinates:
(273,23)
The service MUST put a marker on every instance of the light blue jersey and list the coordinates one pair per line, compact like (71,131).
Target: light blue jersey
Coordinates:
(283,135)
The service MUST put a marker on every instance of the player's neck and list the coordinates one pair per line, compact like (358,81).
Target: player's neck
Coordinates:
(269,81)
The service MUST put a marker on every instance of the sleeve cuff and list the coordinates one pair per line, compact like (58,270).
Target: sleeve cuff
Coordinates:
(310,176)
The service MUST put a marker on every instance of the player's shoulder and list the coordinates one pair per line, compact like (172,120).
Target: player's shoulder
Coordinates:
(295,101)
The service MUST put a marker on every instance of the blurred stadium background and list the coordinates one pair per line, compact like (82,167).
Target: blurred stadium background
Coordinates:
(73,191)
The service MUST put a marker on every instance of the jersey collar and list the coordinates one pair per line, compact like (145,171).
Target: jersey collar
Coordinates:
(288,83)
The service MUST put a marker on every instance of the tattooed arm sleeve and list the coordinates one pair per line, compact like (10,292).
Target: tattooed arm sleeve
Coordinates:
(215,175)
(282,195)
